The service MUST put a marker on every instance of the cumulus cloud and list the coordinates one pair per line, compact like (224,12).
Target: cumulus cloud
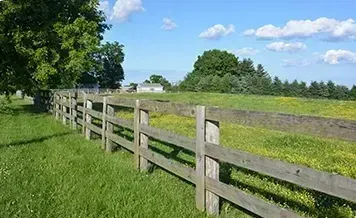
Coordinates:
(331,28)
(124,8)
(246,51)
(168,24)
(217,31)
(339,56)
(286,47)
(104,6)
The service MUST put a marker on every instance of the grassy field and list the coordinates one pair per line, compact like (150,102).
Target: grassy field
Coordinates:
(325,108)
(52,171)
(46,170)
(333,156)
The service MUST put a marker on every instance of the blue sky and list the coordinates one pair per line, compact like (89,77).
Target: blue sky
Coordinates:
(293,39)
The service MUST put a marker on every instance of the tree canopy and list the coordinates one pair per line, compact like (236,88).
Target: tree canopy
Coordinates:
(220,71)
(48,44)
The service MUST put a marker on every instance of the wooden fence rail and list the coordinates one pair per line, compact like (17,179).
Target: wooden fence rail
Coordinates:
(206,146)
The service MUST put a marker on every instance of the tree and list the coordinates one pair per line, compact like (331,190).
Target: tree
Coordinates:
(295,89)
(303,89)
(353,93)
(341,92)
(161,80)
(323,90)
(133,85)
(331,89)
(314,89)
(246,68)
(286,90)
(49,44)
(277,87)
(111,73)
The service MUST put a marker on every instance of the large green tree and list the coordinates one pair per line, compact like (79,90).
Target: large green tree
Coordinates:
(46,43)
(110,73)
(155,78)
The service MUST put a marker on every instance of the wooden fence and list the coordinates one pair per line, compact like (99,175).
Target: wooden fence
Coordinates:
(206,146)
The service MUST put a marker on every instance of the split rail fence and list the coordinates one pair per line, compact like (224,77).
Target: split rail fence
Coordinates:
(206,146)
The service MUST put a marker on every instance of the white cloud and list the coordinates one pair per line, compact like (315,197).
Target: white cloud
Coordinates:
(124,8)
(339,56)
(249,32)
(246,51)
(296,62)
(168,24)
(217,31)
(333,29)
(104,6)
(286,47)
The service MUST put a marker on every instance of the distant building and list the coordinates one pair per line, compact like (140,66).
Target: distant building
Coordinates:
(150,87)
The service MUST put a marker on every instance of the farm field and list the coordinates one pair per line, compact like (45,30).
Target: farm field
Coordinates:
(47,170)
(302,106)
(329,155)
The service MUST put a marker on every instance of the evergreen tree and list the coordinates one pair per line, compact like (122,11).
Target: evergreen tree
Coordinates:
(277,87)
(353,93)
(314,89)
(323,90)
(303,89)
(341,92)
(331,89)
(246,68)
(226,83)
(286,90)
(295,89)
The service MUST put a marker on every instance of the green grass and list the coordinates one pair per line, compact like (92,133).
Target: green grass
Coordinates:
(325,108)
(328,155)
(47,170)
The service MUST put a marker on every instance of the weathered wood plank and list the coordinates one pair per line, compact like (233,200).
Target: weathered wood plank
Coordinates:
(94,113)
(174,167)
(200,158)
(87,123)
(95,98)
(103,126)
(144,120)
(247,201)
(92,127)
(169,137)
(64,109)
(109,128)
(168,108)
(84,115)
(70,110)
(212,169)
(315,126)
(58,101)
(137,135)
(121,122)
(121,141)
(80,108)
(131,103)
(328,183)
(74,113)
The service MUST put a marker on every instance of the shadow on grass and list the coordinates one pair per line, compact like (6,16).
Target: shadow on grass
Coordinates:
(34,140)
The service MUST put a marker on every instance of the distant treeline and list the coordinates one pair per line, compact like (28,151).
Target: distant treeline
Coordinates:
(220,71)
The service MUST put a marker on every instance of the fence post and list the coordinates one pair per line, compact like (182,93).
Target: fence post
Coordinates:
(84,107)
(109,128)
(103,124)
(64,110)
(200,158)
(88,120)
(144,119)
(137,135)
(70,109)
(57,97)
(74,110)
(212,135)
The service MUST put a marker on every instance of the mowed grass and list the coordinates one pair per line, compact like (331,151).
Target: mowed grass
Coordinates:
(328,155)
(47,170)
